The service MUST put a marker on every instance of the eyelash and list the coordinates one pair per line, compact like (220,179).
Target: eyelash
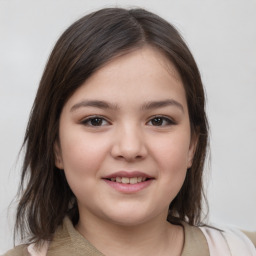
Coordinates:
(94,118)
(166,120)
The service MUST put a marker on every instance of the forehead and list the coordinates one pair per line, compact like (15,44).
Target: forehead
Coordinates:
(144,73)
(146,58)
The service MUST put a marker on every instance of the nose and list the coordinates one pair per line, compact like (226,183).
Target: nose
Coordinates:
(129,144)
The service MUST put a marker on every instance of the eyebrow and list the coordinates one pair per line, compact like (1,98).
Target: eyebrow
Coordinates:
(94,103)
(146,106)
(160,104)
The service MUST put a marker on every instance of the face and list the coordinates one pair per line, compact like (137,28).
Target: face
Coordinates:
(124,139)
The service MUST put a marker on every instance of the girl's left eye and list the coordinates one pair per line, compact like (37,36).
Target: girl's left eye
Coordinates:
(95,121)
(160,121)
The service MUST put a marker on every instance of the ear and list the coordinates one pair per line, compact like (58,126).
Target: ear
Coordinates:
(192,150)
(58,155)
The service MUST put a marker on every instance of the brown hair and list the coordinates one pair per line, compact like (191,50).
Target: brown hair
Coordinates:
(84,47)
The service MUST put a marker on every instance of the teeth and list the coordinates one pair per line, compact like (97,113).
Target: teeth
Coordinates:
(125,180)
(118,179)
(134,180)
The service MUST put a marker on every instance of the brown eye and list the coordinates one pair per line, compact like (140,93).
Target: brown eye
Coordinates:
(157,121)
(160,121)
(94,121)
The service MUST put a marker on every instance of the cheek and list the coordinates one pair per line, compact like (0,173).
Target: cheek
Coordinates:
(82,159)
(172,152)
(82,155)
(171,156)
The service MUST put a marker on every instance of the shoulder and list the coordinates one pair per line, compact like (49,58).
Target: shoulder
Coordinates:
(252,236)
(195,242)
(20,250)
(232,241)
(212,240)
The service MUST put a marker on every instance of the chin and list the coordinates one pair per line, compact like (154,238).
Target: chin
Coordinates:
(128,222)
(128,218)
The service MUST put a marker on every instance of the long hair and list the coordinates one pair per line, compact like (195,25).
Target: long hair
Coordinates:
(87,45)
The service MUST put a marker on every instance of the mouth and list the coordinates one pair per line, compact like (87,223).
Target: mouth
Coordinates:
(126,180)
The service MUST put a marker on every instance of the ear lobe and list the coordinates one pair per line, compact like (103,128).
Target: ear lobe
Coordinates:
(192,150)
(57,156)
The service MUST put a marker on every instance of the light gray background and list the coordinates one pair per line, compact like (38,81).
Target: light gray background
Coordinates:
(221,35)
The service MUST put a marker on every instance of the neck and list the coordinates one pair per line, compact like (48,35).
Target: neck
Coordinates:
(155,237)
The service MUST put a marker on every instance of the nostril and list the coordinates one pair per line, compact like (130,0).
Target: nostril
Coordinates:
(128,148)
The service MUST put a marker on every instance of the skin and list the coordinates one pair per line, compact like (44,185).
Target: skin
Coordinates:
(127,136)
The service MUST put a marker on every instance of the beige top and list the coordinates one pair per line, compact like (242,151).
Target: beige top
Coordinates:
(68,241)
(252,236)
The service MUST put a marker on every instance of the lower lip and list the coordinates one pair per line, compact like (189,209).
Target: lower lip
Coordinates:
(128,188)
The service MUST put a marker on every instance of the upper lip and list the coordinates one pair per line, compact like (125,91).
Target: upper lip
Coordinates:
(127,174)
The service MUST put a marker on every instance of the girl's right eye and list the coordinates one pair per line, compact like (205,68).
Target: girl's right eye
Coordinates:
(95,121)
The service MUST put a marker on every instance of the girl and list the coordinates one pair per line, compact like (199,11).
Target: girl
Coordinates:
(116,144)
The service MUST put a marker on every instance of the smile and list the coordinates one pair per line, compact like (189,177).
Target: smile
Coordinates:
(126,180)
